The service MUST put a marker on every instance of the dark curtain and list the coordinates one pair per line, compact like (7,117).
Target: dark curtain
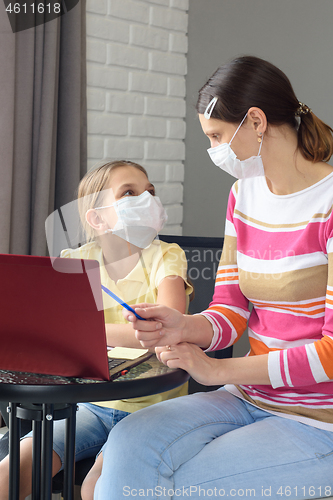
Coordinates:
(42,125)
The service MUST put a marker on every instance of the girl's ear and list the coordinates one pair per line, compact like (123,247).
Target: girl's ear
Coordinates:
(257,119)
(95,220)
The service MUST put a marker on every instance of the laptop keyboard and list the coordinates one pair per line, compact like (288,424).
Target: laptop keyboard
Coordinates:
(115,362)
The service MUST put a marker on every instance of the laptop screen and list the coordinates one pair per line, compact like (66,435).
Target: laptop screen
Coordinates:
(50,321)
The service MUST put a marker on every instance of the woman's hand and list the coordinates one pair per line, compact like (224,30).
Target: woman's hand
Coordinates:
(250,370)
(189,357)
(164,326)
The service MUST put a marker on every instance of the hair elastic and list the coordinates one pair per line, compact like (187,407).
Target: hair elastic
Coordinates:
(210,107)
(302,109)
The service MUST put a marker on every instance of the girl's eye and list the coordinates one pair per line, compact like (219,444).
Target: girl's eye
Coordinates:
(128,193)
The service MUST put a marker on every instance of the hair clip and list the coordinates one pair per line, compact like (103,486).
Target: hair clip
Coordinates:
(210,108)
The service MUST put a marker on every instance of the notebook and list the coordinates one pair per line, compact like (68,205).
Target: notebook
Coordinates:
(52,321)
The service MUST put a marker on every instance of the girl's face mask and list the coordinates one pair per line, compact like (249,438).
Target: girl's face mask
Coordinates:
(140,218)
(224,158)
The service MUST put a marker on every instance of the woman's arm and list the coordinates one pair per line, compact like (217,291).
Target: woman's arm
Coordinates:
(171,293)
(250,370)
(187,336)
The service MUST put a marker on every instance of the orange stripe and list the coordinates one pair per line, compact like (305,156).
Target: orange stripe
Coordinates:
(290,305)
(328,292)
(238,322)
(228,270)
(258,347)
(307,313)
(324,348)
(291,308)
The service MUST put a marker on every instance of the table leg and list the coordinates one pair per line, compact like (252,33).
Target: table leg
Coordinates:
(36,459)
(69,465)
(14,453)
(46,456)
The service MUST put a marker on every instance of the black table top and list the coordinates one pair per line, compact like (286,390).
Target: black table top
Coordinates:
(151,377)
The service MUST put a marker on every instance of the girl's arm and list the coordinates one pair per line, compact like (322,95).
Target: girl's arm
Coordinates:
(171,293)
(121,335)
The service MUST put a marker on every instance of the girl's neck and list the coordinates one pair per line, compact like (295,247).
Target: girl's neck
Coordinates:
(120,257)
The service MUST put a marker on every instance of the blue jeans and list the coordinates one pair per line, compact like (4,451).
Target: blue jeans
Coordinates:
(93,425)
(214,445)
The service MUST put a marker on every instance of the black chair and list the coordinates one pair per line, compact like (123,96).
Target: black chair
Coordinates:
(203,256)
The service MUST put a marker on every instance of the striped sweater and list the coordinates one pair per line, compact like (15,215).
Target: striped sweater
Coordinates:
(277,262)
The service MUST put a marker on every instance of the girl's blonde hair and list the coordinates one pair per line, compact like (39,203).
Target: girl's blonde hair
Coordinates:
(92,185)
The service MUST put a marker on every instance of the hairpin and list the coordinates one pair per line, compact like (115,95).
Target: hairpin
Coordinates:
(210,107)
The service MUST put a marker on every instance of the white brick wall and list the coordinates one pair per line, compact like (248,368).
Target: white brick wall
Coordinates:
(136,68)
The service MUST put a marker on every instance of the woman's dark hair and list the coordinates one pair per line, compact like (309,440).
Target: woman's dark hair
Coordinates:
(250,81)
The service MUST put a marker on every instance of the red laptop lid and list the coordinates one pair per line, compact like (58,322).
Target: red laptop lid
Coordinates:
(49,320)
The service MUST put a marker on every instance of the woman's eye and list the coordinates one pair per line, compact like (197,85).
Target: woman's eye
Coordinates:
(128,193)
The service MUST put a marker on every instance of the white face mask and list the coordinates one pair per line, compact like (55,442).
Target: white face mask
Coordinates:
(224,158)
(140,218)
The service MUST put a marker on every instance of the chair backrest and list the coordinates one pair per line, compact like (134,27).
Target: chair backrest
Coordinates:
(203,255)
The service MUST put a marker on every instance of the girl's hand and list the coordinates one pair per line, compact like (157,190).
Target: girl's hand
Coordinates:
(191,358)
(164,326)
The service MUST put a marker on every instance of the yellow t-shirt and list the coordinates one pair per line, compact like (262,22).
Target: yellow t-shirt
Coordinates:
(157,261)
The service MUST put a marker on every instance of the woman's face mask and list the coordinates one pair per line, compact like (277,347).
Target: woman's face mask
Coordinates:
(224,158)
(140,218)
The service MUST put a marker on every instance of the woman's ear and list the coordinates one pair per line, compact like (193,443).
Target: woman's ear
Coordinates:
(94,220)
(257,119)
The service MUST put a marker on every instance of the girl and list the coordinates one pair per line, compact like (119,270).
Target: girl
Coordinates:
(269,430)
(121,217)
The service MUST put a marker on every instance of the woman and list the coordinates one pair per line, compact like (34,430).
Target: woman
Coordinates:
(269,430)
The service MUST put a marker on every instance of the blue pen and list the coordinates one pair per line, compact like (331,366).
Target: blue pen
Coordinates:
(115,297)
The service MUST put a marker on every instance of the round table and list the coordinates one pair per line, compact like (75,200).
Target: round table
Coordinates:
(44,398)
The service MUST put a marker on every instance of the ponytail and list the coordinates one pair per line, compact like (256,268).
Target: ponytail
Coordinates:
(315,140)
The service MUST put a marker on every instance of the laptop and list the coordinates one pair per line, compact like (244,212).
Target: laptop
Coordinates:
(52,321)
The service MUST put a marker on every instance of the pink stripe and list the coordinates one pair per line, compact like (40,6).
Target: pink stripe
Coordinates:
(293,401)
(274,325)
(223,326)
(289,392)
(280,244)
(297,358)
(231,207)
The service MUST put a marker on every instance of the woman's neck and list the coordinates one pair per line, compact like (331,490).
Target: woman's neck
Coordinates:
(286,169)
